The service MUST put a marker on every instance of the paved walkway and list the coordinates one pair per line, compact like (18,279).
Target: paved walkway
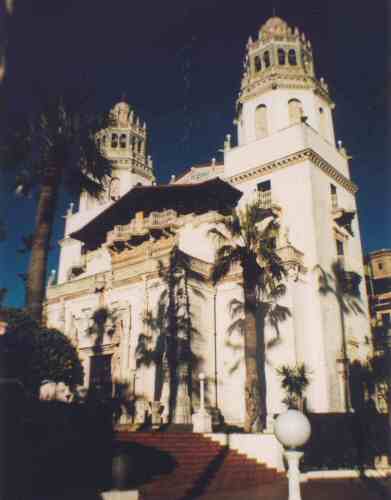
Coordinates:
(319,489)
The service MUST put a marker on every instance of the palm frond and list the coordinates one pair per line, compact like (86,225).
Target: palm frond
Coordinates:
(226,257)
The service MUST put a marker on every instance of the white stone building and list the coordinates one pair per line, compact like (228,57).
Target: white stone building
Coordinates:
(286,155)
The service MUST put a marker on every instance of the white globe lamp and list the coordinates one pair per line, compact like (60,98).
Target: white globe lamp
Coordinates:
(293,430)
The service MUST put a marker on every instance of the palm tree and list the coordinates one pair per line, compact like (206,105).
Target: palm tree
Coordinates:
(246,238)
(52,149)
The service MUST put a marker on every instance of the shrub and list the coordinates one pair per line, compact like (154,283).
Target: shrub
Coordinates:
(33,353)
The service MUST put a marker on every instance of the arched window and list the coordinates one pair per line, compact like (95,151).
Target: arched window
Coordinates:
(295,111)
(122,141)
(292,57)
(261,121)
(103,140)
(266,59)
(114,189)
(281,56)
(114,140)
(257,63)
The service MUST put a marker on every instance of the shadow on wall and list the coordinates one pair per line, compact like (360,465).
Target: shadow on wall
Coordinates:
(344,287)
(269,312)
(170,333)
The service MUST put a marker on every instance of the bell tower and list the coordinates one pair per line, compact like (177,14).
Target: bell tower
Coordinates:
(279,86)
(124,143)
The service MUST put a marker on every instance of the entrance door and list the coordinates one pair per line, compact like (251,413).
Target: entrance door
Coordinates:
(100,376)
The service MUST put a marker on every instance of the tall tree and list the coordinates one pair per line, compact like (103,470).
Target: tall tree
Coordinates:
(51,149)
(246,238)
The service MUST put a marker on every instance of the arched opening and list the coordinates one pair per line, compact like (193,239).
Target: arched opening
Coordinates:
(261,121)
(295,111)
(281,57)
(103,140)
(114,140)
(114,191)
(122,141)
(292,58)
(257,64)
(266,59)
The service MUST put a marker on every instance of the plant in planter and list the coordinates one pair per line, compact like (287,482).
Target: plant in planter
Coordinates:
(294,380)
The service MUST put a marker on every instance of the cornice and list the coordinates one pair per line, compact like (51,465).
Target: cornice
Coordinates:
(273,81)
(294,159)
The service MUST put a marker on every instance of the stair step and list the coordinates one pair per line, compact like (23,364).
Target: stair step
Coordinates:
(202,465)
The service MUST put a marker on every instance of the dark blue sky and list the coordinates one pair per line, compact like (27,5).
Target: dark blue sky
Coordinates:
(180,63)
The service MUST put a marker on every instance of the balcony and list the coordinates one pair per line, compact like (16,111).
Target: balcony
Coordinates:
(140,229)
(292,259)
(78,267)
(342,217)
(347,279)
(267,202)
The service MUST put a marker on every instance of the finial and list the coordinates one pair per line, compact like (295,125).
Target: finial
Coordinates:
(250,41)
(308,44)
(227,142)
(339,144)
(70,209)
(52,277)
(131,116)
(144,125)
(173,178)
(213,161)
(296,31)
(303,37)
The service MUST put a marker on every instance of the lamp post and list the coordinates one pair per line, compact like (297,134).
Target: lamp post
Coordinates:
(202,421)
(293,430)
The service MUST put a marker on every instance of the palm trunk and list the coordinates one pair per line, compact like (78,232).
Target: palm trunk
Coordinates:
(253,417)
(36,277)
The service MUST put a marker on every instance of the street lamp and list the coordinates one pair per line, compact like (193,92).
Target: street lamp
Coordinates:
(293,430)
(202,421)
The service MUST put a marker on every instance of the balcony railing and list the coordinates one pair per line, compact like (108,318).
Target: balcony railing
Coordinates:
(265,199)
(142,226)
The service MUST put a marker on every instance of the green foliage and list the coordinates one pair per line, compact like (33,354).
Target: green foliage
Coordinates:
(295,381)
(39,353)
(60,134)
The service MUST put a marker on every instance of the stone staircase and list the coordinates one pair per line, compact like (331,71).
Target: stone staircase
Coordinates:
(184,466)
